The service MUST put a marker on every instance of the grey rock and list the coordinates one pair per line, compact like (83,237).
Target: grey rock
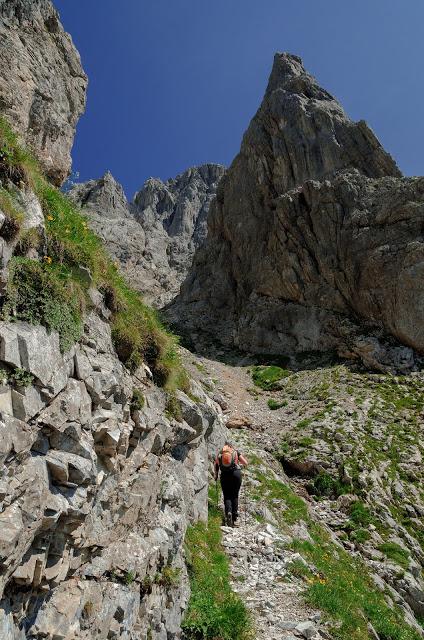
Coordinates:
(314,237)
(43,86)
(154,237)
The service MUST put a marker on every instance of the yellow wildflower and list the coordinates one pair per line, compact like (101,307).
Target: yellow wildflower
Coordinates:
(50,217)
(48,259)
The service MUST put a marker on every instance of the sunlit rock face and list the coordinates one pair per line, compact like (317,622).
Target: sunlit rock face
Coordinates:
(315,240)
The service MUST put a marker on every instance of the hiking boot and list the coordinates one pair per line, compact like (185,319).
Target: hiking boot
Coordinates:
(229,520)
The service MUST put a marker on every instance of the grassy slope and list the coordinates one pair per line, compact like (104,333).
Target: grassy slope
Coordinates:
(54,290)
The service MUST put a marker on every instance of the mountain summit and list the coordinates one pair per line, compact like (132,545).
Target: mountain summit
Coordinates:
(315,240)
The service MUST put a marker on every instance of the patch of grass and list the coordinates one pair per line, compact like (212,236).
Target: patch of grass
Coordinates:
(342,588)
(173,408)
(360,514)
(137,400)
(215,612)
(76,260)
(275,404)
(129,578)
(43,293)
(396,553)
(267,378)
(360,535)
(271,489)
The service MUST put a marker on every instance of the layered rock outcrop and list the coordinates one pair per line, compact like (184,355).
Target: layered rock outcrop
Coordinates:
(43,85)
(154,238)
(95,493)
(315,240)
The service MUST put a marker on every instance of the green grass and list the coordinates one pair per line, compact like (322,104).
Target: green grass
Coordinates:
(275,404)
(342,588)
(215,612)
(396,553)
(54,290)
(271,489)
(267,378)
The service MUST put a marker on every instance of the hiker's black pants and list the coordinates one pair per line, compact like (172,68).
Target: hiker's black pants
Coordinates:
(231,483)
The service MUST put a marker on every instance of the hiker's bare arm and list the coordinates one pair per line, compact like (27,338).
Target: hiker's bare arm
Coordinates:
(243,461)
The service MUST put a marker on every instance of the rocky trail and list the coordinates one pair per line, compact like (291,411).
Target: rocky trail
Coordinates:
(260,565)
(349,444)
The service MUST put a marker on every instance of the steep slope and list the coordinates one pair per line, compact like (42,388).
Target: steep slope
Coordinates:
(315,241)
(43,86)
(154,237)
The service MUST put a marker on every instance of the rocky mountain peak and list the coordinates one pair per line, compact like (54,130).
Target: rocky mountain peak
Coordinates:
(306,132)
(104,196)
(313,234)
(155,236)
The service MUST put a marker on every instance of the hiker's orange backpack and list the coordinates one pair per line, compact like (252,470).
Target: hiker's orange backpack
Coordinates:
(229,457)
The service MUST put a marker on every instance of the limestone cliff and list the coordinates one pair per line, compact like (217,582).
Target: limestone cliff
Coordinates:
(43,86)
(315,240)
(154,237)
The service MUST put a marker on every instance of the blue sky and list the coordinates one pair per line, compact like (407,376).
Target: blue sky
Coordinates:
(174,83)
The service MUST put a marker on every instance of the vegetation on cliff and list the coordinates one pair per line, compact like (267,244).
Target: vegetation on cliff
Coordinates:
(53,289)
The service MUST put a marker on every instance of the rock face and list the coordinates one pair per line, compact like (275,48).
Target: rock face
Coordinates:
(95,495)
(154,237)
(43,86)
(314,236)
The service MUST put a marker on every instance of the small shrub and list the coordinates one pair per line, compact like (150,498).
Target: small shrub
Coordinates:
(21,378)
(173,408)
(360,515)
(129,578)
(275,404)
(267,378)
(360,536)
(137,401)
(326,486)
(396,553)
(169,577)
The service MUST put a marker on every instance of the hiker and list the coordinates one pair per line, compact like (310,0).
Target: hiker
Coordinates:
(229,462)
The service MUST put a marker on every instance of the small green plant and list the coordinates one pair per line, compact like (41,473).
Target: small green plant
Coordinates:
(173,408)
(137,400)
(21,377)
(299,568)
(360,514)
(267,378)
(169,577)
(360,536)
(395,552)
(275,404)
(129,578)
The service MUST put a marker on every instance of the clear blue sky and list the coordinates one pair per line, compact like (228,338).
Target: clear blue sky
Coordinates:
(174,83)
